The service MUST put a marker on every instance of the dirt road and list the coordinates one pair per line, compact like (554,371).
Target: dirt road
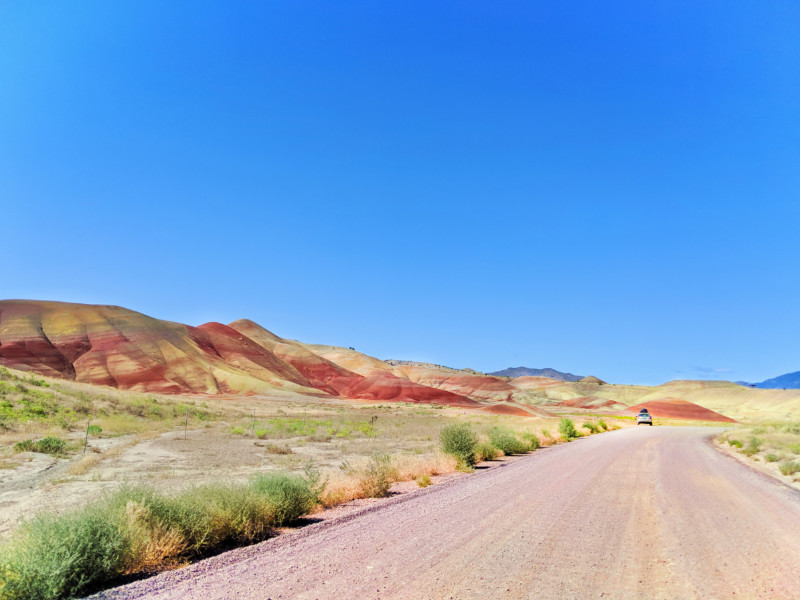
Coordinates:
(637,513)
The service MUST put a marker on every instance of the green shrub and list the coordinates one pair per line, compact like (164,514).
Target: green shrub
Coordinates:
(424,480)
(48,445)
(735,443)
(753,446)
(772,457)
(789,467)
(291,496)
(237,431)
(460,441)
(94,430)
(377,477)
(567,429)
(591,426)
(62,556)
(602,424)
(486,451)
(504,439)
(532,439)
(546,433)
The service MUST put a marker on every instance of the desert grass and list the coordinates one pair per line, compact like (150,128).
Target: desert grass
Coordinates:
(368,477)
(82,466)
(138,529)
(775,442)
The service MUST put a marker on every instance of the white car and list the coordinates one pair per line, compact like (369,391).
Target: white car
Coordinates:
(644,417)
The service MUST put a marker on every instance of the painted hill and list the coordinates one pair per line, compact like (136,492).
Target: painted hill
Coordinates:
(528,372)
(114,346)
(675,408)
(789,381)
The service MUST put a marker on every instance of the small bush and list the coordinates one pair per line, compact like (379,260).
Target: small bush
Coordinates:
(546,434)
(62,556)
(735,443)
(237,431)
(377,477)
(504,439)
(591,426)
(753,446)
(772,457)
(789,467)
(532,439)
(48,445)
(461,441)
(94,430)
(567,429)
(602,424)
(424,480)
(291,496)
(486,451)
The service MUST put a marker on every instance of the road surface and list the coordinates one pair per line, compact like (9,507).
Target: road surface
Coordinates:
(636,513)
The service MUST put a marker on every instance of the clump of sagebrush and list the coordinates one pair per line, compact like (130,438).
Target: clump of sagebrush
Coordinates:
(753,446)
(377,477)
(735,443)
(461,441)
(602,424)
(139,529)
(47,445)
(532,439)
(772,457)
(63,556)
(591,426)
(424,480)
(789,467)
(486,451)
(506,440)
(567,429)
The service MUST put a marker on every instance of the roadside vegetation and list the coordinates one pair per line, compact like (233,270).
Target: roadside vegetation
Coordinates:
(232,477)
(138,530)
(775,443)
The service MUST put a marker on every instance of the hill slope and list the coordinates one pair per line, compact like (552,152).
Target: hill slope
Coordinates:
(118,347)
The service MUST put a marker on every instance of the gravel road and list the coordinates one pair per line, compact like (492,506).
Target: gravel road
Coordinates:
(636,513)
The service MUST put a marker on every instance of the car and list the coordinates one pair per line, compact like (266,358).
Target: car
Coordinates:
(645,417)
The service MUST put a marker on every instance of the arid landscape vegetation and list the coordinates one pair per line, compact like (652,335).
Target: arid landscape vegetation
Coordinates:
(158,426)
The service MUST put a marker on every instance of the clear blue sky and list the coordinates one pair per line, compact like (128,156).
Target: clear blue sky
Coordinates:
(605,188)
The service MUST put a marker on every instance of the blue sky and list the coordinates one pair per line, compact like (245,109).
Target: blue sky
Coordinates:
(601,188)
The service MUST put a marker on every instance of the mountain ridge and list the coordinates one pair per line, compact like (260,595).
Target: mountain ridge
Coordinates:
(530,372)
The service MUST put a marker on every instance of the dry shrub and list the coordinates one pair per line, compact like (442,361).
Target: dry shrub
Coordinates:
(413,466)
(84,464)
(341,488)
(153,544)
(369,479)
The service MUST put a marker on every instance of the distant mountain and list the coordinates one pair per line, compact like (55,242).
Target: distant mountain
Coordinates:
(787,381)
(528,372)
